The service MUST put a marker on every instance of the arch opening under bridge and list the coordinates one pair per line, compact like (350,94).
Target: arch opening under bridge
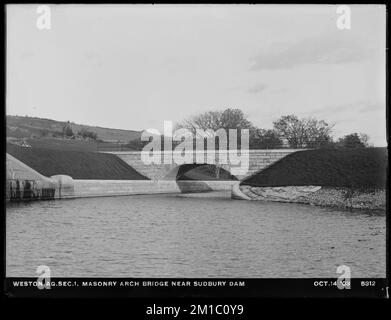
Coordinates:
(196,171)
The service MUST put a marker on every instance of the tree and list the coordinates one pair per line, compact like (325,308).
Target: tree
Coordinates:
(85,133)
(303,133)
(202,121)
(364,138)
(214,120)
(354,140)
(290,128)
(67,131)
(234,119)
(264,139)
(317,133)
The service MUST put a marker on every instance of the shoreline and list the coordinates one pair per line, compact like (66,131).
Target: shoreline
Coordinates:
(332,197)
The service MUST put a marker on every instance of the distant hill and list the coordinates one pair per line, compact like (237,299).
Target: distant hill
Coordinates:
(32,127)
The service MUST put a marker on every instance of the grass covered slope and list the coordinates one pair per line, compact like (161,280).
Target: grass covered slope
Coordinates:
(63,144)
(363,168)
(77,164)
(27,126)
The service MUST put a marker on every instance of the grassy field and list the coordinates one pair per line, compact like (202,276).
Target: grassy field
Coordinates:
(75,145)
(26,127)
(77,164)
(63,144)
(353,168)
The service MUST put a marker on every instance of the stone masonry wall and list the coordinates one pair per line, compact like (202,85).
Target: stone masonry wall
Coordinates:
(258,160)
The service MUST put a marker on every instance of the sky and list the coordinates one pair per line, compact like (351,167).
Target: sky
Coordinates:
(134,66)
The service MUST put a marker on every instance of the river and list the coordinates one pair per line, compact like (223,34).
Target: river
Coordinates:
(191,235)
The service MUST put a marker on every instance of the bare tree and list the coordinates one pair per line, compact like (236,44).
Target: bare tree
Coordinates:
(215,120)
(203,121)
(303,133)
(317,133)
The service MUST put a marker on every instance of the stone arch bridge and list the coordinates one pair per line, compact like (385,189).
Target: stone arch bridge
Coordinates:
(257,160)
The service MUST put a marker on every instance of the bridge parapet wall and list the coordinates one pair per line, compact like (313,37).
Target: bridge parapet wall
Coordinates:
(257,160)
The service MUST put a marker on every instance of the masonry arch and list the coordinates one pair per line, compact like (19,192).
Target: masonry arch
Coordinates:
(195,171)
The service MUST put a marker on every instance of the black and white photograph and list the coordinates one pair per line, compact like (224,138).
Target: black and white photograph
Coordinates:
(196,148)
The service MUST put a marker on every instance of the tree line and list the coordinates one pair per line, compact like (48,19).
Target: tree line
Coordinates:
(84,133)
(288,131)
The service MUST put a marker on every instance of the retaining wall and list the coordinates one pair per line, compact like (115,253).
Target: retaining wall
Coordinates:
(24,183)
(98,188)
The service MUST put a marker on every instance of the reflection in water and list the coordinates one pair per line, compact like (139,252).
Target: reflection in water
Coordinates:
(191,235)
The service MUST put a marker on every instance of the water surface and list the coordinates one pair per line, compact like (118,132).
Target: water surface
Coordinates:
(191,235)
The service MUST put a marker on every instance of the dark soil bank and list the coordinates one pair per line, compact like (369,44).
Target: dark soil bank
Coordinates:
(77,164)
(364,168)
